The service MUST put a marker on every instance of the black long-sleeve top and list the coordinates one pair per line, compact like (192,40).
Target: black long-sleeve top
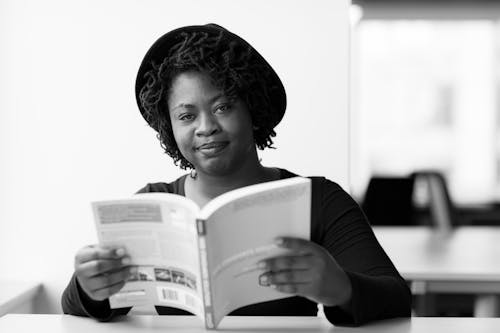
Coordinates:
(337,224)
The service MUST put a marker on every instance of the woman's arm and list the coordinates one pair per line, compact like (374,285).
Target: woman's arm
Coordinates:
(378,290)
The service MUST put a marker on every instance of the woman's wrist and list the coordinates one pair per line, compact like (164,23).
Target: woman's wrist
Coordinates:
(341,298)
(94,308)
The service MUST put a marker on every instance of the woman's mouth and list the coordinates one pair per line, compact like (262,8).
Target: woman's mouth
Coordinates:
(212,148)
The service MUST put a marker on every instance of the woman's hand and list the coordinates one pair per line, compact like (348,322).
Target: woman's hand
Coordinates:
(101,271)
(309,271)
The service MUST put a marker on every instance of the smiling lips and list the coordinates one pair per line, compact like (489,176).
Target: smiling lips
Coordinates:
(212,148)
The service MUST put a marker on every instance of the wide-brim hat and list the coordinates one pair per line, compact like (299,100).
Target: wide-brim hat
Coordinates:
(160,49)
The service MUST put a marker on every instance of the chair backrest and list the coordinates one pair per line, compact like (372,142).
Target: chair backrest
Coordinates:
(443,212)
(389,201)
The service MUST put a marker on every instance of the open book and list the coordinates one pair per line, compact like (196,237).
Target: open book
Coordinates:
(203,260)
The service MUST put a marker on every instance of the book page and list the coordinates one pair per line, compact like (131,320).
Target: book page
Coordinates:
(159,233)
(242,232)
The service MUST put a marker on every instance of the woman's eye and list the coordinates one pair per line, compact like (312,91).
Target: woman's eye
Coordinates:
(186,117)
(223,108)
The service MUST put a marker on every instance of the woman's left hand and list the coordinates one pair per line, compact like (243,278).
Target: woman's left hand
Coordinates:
(309,271)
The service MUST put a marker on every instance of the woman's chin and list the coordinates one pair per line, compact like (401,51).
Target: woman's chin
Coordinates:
(215,168)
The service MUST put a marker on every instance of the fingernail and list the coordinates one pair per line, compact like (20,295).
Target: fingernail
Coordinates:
(126,261)
(262,265)
(120,252)
(263,280)
(279,241)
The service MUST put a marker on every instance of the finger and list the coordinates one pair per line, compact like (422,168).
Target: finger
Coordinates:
(286,277)
(107,280)
(98,252)
(297,244)
(288,262)
(295,289)
(102,294)
(95,267)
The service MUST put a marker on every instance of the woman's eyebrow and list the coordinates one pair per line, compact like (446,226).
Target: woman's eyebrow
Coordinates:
(183,105)
(189,105)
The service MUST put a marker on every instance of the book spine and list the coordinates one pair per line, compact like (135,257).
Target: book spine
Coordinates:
(205,278)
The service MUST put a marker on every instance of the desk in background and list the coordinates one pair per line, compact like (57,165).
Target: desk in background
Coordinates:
(465,260)
(18,296)
(487,214)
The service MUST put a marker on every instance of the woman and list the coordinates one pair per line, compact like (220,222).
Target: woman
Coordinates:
(213,100)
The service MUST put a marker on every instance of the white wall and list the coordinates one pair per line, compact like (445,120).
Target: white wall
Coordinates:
(70,131)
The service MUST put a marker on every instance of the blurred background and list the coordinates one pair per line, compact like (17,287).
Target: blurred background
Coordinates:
(425,118)
(425,94)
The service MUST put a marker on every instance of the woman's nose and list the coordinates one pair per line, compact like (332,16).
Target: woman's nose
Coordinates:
(207,124)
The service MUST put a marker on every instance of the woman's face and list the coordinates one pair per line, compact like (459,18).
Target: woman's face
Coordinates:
(212,132)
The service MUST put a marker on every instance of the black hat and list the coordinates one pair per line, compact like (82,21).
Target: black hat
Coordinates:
(160,49)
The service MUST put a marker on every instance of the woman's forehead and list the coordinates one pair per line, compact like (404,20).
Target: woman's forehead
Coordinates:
(190,87)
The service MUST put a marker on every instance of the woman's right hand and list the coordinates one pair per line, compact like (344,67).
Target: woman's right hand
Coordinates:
(102,271)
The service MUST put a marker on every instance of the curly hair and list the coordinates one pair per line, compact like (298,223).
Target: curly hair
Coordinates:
(232,68)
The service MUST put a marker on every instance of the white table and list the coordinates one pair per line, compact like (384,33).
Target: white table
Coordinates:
(465,260)
(13,323)
(18,296)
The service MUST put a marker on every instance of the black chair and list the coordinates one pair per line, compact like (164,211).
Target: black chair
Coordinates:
(389,201)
